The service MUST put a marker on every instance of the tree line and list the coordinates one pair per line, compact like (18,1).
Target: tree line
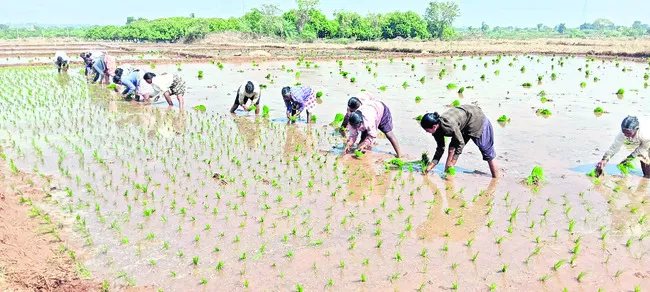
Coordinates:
(308,23)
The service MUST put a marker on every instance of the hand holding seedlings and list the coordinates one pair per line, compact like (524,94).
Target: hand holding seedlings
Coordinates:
(248,93)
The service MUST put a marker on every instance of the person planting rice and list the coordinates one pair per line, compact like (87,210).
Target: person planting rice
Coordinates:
(103,66)
(61,61)
(632,133)
(461,124)
(354,103)
(368,119)
(88,62)
(298,99)
(166,85)
(249,91)
(131,81)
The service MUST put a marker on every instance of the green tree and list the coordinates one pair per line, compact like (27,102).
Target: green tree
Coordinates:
(485,27)
(304,7)
(603,23)
(561,28)
(130,19)
(440,15)
(404,24)
(637,25)
(539,26)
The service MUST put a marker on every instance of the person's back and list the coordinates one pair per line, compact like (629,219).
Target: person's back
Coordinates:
(468,118)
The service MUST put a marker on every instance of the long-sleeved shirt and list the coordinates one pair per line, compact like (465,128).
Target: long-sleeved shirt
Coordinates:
(364,97)
(372,112)
(302,97)
(131,81)
(642,139)
(460,123)
(243,96)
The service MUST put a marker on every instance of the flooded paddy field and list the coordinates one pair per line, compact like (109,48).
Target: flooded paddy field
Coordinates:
(191,200)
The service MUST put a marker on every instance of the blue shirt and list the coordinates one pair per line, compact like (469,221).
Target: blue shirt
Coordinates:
(131,81)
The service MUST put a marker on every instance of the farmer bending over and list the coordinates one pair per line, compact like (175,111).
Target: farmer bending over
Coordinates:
(166,85)
(632,133)
(354,103)
(368,119)
(461,124)
(131,81)
(298,99)
(62,61)
(249,91)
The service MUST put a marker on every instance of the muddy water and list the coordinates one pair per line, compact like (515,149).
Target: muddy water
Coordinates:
(278,179)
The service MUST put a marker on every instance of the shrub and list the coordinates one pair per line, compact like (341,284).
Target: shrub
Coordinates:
(338,120)
(265,111)
(503,119)
(536,176)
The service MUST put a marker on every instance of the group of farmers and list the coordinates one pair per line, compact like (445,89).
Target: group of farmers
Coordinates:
(364,119)
(137,83)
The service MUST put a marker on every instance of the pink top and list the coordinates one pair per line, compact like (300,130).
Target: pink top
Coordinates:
(373,112)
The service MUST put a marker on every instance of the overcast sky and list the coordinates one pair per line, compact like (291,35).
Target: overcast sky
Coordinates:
(521,13)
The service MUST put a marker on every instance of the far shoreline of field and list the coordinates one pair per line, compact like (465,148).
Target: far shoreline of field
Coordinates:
(235,48)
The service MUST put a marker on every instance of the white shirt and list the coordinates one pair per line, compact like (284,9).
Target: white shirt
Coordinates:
(61,54)
(253,97)
(161,83)
(641,140)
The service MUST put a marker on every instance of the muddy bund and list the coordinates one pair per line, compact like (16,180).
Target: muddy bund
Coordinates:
(197,200)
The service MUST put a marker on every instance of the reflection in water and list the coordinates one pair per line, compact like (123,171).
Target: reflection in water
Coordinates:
(362,177)
(249,130)
(298,142)
(452,217)
(626,205)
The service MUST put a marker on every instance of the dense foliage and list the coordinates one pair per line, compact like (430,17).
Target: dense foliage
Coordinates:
(308,23)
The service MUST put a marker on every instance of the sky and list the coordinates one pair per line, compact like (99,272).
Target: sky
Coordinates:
(519,13)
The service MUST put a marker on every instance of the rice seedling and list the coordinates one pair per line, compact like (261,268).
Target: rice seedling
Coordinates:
(418,99)
(526,85)
(461,90)
(353,79)
(544,112)
(451,86)
(620,91)
(405,84)
(200,74)
(599,110)
(456,103)
(503,119)
(558,265)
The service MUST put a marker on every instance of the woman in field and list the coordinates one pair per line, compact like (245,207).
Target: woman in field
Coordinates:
(166,85)
(354,103)
(461,124)
(370,118)
(634,134)
(249,91)
(62,61)
(298,99)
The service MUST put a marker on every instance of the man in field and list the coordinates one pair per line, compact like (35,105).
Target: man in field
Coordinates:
(461,124)
(634,134)
(248,92)
(61,61)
